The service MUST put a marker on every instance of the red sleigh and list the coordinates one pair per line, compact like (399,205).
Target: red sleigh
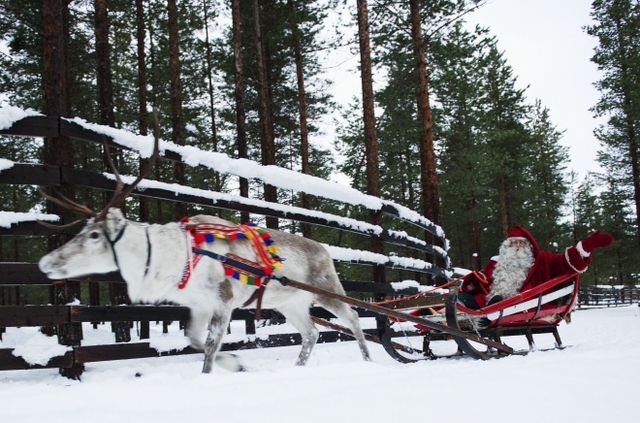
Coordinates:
(538,310)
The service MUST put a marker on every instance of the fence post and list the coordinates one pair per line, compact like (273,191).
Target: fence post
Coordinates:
(69,334)
(118,293)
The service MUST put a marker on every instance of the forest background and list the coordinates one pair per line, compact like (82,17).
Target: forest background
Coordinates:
(248,78)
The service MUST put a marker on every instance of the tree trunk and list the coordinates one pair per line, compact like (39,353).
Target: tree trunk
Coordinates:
(504,205)
(58,150)
(428,174)
(118,292)
(370,137)
(105,87)
(302,109)
(212,110)
(266,113)
(176,97)
(143,121)
(241,118)
(475,234)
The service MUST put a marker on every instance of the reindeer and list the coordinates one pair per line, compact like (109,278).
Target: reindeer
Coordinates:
(152,260)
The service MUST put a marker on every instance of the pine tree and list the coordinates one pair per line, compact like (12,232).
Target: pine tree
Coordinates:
(546,178)
(464,180)
(618,56)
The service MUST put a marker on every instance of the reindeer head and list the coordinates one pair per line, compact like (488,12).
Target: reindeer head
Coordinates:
(92,250)
(89,252)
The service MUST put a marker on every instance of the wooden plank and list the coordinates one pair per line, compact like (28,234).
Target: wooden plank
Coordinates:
(419,302)
(126,351)
(8,361)
(34,126)
(375,288)
(31,174)
(22,274)
(87,179)
(34,228)
(73,130)
(128,313)
(17,316)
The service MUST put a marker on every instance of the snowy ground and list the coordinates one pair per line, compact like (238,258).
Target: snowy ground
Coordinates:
(595,379)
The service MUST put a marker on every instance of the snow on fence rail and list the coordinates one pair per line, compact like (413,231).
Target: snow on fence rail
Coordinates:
(14,121)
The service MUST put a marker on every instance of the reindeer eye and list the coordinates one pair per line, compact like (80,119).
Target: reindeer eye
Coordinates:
(94,235)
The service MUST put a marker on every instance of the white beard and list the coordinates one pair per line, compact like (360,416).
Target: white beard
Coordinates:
(511,271)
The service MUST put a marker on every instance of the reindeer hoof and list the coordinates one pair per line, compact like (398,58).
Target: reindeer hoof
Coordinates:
(230,362)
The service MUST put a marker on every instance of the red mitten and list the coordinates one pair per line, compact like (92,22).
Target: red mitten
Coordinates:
(596,240)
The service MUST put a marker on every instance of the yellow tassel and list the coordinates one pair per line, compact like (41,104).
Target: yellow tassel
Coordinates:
(272,248)
(244,279)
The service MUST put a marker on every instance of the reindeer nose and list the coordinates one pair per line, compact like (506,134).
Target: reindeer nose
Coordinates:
(44,264)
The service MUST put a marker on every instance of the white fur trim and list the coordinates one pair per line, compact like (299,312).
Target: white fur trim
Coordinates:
(566,256)
(581,250)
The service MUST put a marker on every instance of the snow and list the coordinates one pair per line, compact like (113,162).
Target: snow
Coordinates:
(594,379)
(5,164)
(8,218)
(35,347)
(11,114)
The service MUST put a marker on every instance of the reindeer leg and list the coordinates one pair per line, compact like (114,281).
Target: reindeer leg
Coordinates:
(350,317)
(299,318)
(196,327)
(217,329)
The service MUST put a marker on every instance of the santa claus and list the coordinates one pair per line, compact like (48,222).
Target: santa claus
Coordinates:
(521,265)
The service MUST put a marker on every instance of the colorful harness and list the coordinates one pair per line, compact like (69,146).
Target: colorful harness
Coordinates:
(246,271)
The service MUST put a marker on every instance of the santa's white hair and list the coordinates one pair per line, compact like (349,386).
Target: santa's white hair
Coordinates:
(511,270)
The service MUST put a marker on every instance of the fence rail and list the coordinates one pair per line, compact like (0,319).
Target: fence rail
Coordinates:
(607,296)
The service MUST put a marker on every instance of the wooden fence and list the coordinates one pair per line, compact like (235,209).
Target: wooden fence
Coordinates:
(66,320)
(600,296)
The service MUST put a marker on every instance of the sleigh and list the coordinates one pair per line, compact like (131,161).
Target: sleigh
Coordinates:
(536,311)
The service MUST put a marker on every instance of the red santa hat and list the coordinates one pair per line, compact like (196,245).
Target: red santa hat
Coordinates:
(518,232)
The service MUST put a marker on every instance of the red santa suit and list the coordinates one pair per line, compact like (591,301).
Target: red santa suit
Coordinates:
(546,265)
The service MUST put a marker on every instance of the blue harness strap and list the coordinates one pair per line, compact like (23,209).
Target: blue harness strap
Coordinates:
(230,261)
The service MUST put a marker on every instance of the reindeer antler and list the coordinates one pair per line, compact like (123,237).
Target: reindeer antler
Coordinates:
(121,191)
(67,203)
(60,227)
